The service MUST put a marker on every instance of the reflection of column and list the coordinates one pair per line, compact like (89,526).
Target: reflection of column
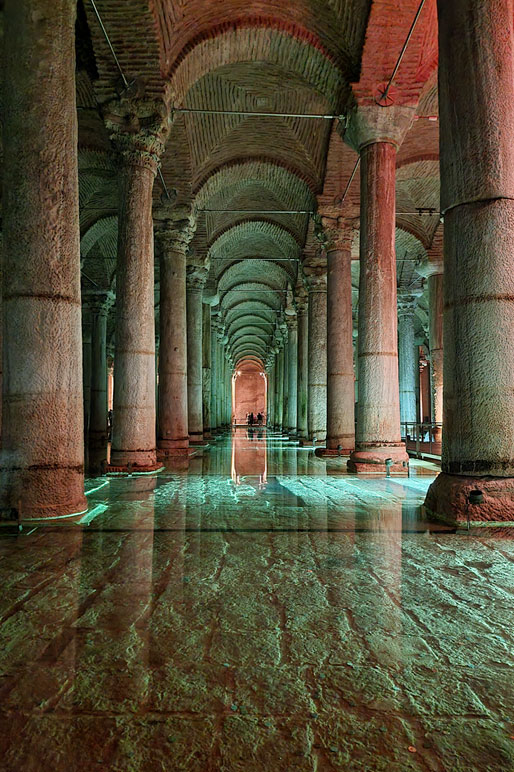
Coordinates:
(317,355)
(478,436)
(407,359)
(100,305)
(134,440)
(340,377)
(206,370)
(195,283)
(174,227)
(292,374)
(303,371)
(377,136)
(42,465)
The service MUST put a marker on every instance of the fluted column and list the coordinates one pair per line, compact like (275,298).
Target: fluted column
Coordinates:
(195,282)
(476,56)
(174,229)
(340,376)
(407,359)
(292,375)
(42,462)
(317,355)
(377,132)
(139,149)
(303,363)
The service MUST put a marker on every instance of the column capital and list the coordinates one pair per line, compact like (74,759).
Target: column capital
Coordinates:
(138,129)
(291,322)
(98,302)
(426,266)
(196,276)
(174,226)
(368,124)
(334,232)
(315,277)
(407,302)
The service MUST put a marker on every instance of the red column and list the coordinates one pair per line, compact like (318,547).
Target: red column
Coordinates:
(378,414)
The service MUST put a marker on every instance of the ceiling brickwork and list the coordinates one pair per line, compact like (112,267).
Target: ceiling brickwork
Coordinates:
(292,57)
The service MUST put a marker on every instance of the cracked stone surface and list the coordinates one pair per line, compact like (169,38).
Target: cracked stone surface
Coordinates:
(258,610)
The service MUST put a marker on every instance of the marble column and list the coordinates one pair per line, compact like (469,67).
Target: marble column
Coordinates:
(377,132)
(408,361)
(280,388)
(206,370)
(303,366)
(195,282)
(42,462)
(174,229)
(100,305)
(133,436)
(214,370)
(476,56)
(340,375)
(292,375)
(317,356)
(435,299)
(285,376)
(87,326)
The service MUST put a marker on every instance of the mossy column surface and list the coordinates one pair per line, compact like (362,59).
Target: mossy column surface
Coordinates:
(476,99)
(42,463)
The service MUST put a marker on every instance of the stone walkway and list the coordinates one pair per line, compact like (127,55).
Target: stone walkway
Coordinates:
(289,622)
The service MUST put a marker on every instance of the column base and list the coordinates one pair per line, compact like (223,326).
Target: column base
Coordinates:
(373,460)
(448,499)
(196,438)
(136,461)
(331,453)
(167,448)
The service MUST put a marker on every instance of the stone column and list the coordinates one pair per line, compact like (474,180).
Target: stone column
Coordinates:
(214,370)
(87,325)
(476,55)
(285,377)
(292,375)
(303,367)
(377,132)
(317,355)
(100,305)
(42,463)
(174,228)
(206,370)
(280,388)
(435,299)
(407,359)
(340,375)
(139,137)
(195,282)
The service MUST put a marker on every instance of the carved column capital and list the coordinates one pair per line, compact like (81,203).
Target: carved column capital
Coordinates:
(99,303)
(174,227)
(138,129)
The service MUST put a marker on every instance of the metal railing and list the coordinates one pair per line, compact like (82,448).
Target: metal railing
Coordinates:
(423,439)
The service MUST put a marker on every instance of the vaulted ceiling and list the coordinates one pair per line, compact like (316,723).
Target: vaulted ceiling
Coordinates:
(252,180)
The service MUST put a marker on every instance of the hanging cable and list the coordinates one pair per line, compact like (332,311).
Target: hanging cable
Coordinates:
(384,94)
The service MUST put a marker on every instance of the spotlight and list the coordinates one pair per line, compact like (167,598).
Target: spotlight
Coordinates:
(339,449)
(388,462)
(475,497)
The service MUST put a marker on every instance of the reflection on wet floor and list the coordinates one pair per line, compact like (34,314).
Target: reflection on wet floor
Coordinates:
(257,609)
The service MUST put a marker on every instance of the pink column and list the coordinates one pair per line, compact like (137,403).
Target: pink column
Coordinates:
(340,376)
(378,412)
(133,439)
(42,463)
(174,229)
(476,57)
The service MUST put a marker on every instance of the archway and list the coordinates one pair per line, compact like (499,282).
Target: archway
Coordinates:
(249,390)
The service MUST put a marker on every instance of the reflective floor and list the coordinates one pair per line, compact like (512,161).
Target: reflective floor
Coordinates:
(257,610)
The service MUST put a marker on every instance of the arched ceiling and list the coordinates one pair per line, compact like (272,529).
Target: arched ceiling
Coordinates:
(252,180)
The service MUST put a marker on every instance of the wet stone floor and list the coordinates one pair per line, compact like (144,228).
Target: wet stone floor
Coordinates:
(257,609)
